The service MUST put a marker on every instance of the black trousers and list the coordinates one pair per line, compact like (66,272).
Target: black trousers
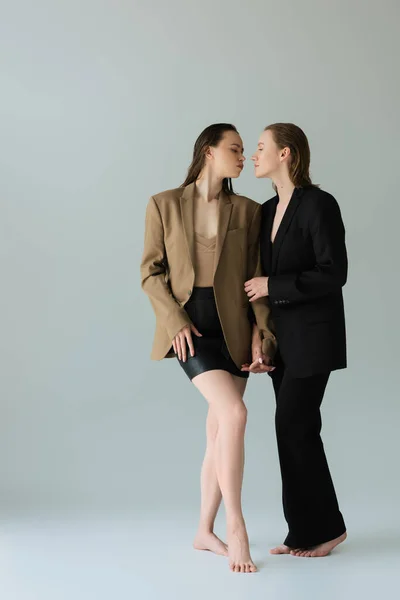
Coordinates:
(309,500)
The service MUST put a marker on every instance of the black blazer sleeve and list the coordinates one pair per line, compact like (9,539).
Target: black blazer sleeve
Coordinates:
(330,271)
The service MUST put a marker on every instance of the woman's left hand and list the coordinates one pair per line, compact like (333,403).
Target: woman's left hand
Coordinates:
(256,288)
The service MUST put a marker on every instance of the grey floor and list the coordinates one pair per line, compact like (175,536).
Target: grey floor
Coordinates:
(85,558)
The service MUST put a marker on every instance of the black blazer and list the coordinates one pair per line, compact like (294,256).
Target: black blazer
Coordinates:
(307,268)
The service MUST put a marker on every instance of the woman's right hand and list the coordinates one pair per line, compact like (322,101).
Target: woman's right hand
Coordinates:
(183,338)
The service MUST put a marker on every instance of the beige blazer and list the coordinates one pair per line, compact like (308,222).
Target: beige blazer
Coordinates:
(167,269)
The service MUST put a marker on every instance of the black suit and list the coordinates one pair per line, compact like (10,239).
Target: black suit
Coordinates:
(307,267)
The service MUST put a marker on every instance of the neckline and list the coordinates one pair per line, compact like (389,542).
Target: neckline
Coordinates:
(294,193)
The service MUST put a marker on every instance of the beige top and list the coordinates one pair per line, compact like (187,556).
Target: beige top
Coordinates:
(204,255)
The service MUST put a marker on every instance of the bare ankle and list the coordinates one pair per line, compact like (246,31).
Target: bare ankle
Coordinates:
(205,528)
(236,524)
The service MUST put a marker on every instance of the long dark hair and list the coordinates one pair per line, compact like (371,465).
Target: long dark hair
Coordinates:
(288,135)
(211,136)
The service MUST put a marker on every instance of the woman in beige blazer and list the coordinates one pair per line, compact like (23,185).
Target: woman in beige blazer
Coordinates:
(201,245)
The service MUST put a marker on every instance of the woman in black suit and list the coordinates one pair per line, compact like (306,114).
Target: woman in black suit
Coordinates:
(304,263)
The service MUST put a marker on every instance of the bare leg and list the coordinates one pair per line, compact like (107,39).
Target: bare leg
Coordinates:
(210,494)
(221,391)
(210,491)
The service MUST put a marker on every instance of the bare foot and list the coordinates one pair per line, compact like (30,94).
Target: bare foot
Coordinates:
(239,552)
(282,549)
(320,550)
(209,541)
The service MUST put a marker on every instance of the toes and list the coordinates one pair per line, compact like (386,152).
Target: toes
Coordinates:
(242,568)
(280,550)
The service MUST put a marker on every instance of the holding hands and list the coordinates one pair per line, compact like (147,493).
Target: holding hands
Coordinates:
(260,362)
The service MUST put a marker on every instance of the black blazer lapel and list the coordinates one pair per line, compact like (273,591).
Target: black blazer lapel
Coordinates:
(284,226)
(268,214)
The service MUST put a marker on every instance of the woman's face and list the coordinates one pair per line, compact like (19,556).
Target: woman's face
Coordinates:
(268,157)
(227,158)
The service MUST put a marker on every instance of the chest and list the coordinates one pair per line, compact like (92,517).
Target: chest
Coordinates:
(286,245)
(205,218)
(277,220)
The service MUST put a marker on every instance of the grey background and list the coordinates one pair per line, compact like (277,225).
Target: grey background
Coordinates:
(100,105)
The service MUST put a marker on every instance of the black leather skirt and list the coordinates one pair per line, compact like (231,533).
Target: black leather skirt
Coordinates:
(211,351)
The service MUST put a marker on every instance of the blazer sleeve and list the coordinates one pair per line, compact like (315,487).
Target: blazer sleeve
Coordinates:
(260,311)
(329,274)
(154,273)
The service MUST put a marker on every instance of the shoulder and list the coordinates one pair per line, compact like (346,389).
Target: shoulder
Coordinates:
(244,201)
(269,205)
(320,208)
(167,196)
(316,199)
(248,209)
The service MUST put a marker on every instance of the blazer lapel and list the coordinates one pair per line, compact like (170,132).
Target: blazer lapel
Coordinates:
(284,226)
(268,215)
(224,214)
(187,212)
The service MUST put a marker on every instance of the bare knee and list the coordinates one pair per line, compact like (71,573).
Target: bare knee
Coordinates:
(236,416)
